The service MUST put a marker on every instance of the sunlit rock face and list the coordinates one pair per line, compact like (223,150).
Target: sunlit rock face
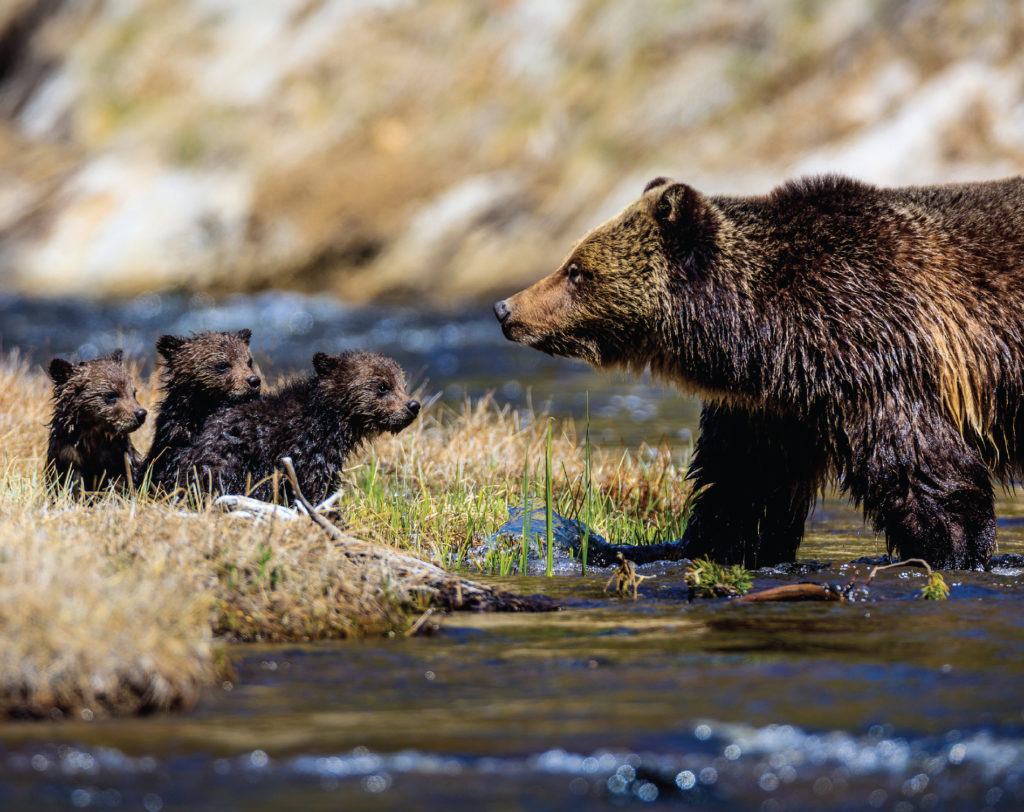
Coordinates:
(386,149)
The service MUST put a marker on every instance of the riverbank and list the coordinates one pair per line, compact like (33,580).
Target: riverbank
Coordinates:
(123,607)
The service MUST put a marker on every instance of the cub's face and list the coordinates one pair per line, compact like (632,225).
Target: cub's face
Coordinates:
(369,388)
(98,394)
(218,365)
(610,296)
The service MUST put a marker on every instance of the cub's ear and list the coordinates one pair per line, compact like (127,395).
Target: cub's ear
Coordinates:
(245,335)
(60,370)
(324,363)
(167,346)
(117,356)
(678,204)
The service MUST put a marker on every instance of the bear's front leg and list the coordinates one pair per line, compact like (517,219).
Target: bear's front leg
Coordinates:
(755,477)
(924,487)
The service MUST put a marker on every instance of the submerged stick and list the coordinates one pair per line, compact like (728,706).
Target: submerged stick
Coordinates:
(447,590)
(791,592)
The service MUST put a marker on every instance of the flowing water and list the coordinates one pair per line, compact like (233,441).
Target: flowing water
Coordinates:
(892,703)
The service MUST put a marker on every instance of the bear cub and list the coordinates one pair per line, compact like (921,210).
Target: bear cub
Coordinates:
(95,408)
(201,373)
(318,422)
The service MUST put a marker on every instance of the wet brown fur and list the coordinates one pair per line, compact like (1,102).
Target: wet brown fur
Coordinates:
(836,332)
(318,422)
(201,373)
(95,408)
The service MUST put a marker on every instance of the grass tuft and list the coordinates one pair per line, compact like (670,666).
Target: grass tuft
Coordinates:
(707,579)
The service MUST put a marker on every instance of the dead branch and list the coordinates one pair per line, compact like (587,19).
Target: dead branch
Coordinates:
(792,592)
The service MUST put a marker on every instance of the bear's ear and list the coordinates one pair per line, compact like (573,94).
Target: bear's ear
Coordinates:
(689,225)
(117,356)
(167,346)
(654,184)
(324,363)
(60,370)
(678,204)
(245,334)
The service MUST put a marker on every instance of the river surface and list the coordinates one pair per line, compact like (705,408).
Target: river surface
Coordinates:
(452,354)
(892,703)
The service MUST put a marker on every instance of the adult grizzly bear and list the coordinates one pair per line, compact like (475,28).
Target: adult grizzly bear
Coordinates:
(835,331)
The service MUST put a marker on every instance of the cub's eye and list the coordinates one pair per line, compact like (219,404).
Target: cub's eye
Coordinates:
(575,273)
(222,366)
(110,398)
(383,388)
(250,363)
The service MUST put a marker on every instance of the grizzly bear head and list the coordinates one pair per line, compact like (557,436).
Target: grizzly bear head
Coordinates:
(611,302)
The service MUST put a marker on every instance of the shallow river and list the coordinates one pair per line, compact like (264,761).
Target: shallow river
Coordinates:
(893,703)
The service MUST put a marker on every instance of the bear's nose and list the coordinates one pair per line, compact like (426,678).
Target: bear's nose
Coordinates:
(253,381)
(413,406)
(140,415)
(502,311)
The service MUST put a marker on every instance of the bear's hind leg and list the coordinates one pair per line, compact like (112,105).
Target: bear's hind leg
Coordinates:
(926,488)
(755,478)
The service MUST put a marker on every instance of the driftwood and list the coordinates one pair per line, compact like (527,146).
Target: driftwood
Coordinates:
(446,590)
(792,592)
(811,591)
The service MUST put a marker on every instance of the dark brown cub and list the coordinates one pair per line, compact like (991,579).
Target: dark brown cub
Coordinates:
(94,410)
(201,373)
(317,422)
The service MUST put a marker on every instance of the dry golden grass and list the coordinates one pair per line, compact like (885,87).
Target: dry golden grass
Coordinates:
(81,634)
(119,606)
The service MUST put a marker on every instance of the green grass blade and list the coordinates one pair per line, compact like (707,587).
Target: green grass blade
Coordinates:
(549,568)
(588,486)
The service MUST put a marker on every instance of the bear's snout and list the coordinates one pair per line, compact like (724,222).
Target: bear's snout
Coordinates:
(140,416)
(502,311)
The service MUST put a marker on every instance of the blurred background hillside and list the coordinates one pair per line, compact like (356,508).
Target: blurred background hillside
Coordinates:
(445,151)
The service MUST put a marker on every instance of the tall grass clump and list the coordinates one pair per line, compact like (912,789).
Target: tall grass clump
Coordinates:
(445,484)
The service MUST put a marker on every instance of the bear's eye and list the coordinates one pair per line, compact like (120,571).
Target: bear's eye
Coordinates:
(222,366)
(383,388)
(250,363)
(110,398)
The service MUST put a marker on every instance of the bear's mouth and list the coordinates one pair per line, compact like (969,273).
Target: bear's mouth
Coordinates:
(584,349)
(400,421)
(243,394)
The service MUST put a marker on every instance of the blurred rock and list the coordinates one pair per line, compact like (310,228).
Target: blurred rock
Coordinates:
(384,149)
